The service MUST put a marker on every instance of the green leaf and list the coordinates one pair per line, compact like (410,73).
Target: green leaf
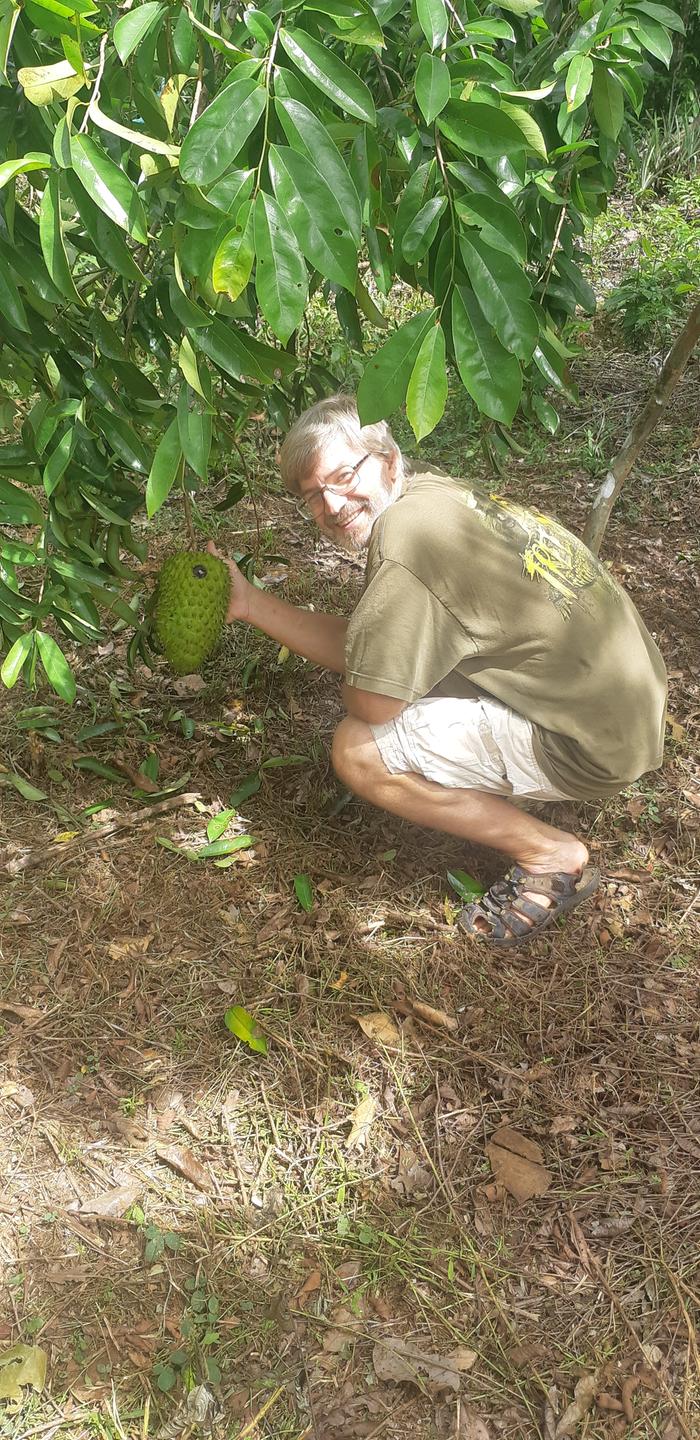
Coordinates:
(106,239)
(242,357)
(304,892)
(134,137)
(43,84)
(164,470)
(330,74)
(432,86)
(528,126)
(18,507)
(195,431)
(219,135)
(465,885)
(281,283)
(57,19)
(133,28)
(419,235)
(248,787)
(426,396)
(665,16)
(314,215)
(608,100)
(224,847)
(579,78)
(52,244)
(10,300)
(490,375)
(124,441)
(545,413)
(218,824)
(34,160)
(60,675)
(480,129)
(498,282)
(18,782)
(233,261)
(243,1026)
(497,223)
(306,134)
(15,659)
(433,21)
(651,36)
(109,187)
(58,461)
(9,15)
(382,389)
(166,1377)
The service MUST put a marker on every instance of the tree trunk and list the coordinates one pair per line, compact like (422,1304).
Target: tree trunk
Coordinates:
(671,372)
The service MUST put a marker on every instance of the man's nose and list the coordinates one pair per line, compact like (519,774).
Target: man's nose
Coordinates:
(333,502)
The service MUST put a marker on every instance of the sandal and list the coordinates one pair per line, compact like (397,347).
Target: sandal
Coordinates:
(506,913)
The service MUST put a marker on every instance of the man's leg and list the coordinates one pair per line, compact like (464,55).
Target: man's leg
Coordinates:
(470,814)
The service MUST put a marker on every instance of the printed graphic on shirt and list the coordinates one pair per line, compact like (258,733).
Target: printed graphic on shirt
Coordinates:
(548,552)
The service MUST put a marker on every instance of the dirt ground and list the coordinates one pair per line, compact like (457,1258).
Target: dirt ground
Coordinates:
(321,1242)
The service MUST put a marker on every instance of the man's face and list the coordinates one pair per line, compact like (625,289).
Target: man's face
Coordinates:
(347,516)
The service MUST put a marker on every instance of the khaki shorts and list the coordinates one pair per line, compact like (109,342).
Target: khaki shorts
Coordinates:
(473,744)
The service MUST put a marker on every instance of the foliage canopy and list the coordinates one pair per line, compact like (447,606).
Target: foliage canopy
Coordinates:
(178,179)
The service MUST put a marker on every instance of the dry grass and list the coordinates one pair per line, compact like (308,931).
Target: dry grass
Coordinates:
(303,1254)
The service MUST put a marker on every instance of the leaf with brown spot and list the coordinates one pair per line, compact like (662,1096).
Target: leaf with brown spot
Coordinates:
(185,1163)
(20,1366)
(124,946)
(584,1395)
(112,1204)
(517,1164)
(394,1360)
(439,1018)
(361,1119)
(379,1027)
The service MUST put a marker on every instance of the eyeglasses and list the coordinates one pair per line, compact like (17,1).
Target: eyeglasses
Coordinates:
(315,501)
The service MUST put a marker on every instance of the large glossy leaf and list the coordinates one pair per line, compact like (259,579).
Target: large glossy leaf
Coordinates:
(164,470)
(490,375)
(58,671)
(34,160)
(422,230)
(219,135)
(579,78)
(652,36)
(233,261)
(314,215)
(329,74)
(240,356)
(44,83)
(18,507)
(106,238)
(426,396)
(57,19)
(10,300)
(58,461)
(109,187)
(497,281)
(480,129)
(195,431)
(608,99)
(433,21)
(383,386)
(52,243)
(497,222)
(432,86)
(14,661)
(149,143)
(280,272)
(133,27)
(528,127)
(124,441)
(306,134)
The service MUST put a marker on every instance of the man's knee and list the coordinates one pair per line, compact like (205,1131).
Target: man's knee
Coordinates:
(354,754)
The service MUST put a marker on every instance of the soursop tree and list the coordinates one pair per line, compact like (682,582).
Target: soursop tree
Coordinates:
(178,178)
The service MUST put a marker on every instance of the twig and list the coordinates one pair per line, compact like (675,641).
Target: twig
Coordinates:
(253,1424)
(98,835)
(98,81)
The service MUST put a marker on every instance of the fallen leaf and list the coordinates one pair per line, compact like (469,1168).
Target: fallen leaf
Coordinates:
(584,1395)
(21,1365)
(185,1163)
(360,1121)
(517,1164)
(678,731)
(693,796)
(379,1027)
(341,981)
(189,685)
(22,1012)
(112,1204)
(471,1426)
(125,945)
(311,1283)
(462,1358)
(395,1360)
(434,1017)
(636,806)
(21,1094)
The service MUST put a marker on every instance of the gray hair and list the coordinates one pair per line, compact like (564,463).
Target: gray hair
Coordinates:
(336,415)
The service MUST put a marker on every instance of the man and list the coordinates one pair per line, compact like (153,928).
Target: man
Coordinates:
(491,659)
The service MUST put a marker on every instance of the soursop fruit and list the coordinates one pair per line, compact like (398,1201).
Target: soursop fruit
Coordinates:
(190,607)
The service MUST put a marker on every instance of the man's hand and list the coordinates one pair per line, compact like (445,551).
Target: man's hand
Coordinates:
(239,598)
(373,709)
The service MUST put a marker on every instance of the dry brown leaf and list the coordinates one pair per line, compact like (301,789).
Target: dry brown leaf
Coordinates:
(311,1284)
(438,1018)
(22,1096)
(124,945)
(189,685)
(584,1395)
(112,1204)
(395,1360)
(462,1358)
(693,796)
(360,1121)
(471,1426)
(22,1012)
(379,1027)
(187,1164)
(517,1164)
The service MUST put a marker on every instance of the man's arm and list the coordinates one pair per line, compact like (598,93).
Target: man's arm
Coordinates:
(319,638)
(373,709)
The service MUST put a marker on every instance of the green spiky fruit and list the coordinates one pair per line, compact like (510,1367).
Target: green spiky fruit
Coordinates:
(190,607)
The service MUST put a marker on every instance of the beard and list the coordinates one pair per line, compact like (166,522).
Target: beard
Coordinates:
(354,537)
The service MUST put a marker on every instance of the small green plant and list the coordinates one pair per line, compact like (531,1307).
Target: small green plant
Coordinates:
(198,1329)
(157,1241)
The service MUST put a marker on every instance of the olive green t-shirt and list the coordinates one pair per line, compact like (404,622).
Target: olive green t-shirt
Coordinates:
(468,593)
